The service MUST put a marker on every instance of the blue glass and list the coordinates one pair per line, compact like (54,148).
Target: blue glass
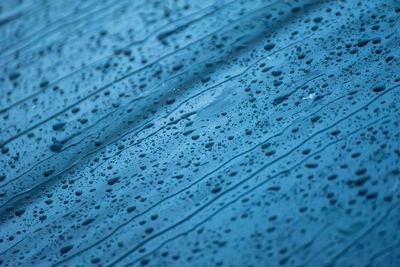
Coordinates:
(199,133)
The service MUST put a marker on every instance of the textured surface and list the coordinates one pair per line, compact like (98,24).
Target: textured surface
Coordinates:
(199,133)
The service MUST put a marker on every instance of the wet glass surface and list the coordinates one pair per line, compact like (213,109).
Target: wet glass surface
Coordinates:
(199,133)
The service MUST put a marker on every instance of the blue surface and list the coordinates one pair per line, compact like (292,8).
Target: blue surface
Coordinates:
(199,133)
